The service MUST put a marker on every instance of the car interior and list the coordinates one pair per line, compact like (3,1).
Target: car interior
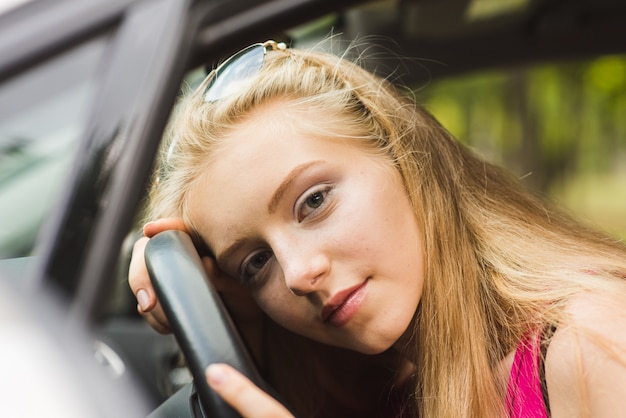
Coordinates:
(82,112)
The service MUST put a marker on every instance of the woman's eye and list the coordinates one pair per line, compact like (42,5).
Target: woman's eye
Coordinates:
(315,200)
(311,203)
(253,266)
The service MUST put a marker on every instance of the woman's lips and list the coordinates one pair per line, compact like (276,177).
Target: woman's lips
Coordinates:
(344,305)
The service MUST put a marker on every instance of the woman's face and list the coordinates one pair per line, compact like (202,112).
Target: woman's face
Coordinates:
(321,232)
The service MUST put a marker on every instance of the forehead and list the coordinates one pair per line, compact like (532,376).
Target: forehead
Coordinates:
(280,131)
(251,162)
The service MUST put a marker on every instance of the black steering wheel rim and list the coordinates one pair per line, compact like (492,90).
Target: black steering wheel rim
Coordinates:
(197,317)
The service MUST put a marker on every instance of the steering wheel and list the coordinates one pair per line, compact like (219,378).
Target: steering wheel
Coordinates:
(198,319)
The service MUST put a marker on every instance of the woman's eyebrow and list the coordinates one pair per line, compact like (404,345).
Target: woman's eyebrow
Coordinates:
(271,207)
(286,183)
(222,257)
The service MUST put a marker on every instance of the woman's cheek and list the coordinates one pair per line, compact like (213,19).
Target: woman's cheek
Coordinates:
(287,310)
(272,298)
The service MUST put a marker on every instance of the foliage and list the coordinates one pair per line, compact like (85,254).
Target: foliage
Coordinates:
(560,127)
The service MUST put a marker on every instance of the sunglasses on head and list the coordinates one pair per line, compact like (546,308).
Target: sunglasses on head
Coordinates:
(236,71)
(230,76)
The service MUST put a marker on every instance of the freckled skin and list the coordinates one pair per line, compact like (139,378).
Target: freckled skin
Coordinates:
(342,221)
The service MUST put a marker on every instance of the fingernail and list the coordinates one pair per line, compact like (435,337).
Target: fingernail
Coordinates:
(143,300)
(216,374)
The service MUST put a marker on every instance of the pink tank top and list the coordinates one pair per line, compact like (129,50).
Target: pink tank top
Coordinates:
(525,397)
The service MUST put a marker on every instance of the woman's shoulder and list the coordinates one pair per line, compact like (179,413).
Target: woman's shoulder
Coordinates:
(586,360)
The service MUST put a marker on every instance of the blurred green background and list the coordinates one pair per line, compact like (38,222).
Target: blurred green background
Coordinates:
(560,127)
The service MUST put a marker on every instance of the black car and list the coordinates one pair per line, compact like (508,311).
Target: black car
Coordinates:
(86,89)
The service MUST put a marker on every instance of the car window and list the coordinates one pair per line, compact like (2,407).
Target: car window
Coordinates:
(43,112)
(559,126)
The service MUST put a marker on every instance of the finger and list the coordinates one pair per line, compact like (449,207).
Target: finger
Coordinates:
(154,227)
(139,279)
(243,395)
(141,286)
(156,319)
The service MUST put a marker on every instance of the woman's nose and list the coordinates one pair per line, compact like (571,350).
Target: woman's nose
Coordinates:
(304,267)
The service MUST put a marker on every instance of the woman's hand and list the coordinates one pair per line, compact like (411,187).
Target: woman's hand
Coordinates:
(243,309)
(139,279)
(243,395)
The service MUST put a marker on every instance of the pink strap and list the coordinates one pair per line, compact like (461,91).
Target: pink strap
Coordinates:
(524,398)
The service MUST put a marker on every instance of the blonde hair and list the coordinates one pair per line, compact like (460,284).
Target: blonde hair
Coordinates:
(499,260)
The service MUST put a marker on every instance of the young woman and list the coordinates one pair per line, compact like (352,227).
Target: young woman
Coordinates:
(335,208)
